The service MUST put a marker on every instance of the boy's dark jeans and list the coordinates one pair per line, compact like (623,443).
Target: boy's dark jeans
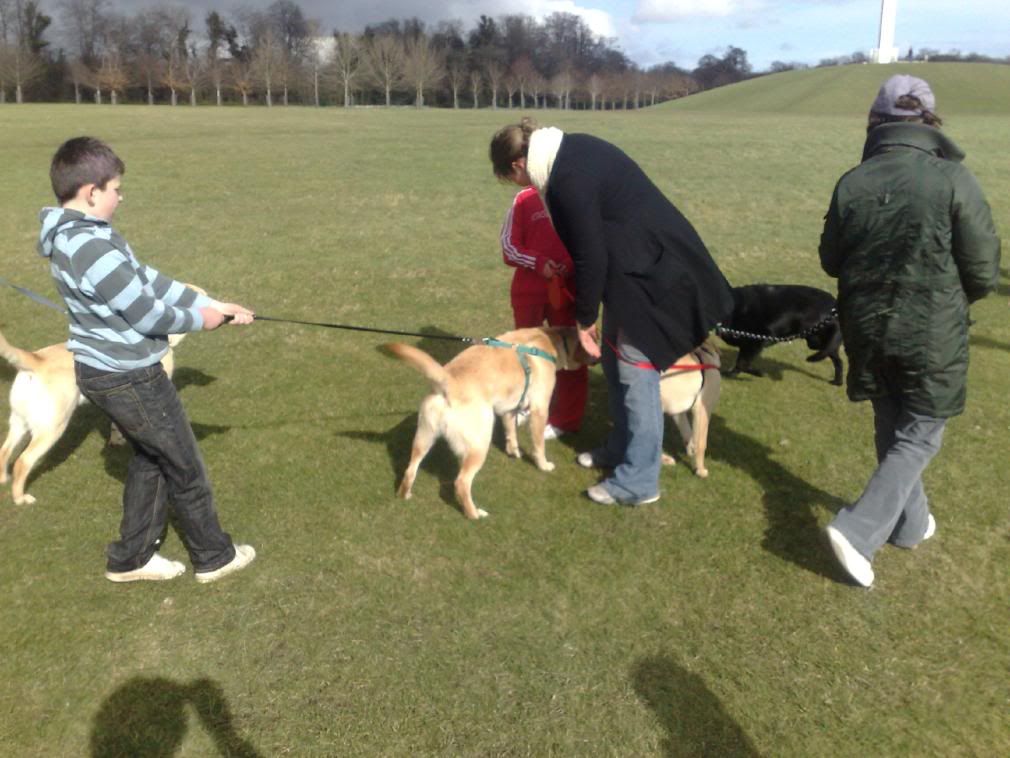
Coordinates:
(166,468)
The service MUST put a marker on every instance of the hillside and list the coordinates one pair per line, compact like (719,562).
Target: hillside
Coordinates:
(967,88)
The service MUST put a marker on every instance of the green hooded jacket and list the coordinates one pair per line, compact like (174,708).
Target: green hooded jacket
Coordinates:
(910,237)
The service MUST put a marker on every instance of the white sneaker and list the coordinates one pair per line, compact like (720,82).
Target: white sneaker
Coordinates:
(598,494)
(585,459)
(930,527)
(551,432)
(244,555)
(851,559)
(157,569)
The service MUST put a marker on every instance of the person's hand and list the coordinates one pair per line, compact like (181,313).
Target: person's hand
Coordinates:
(589,339)
(219,313)
(549,269)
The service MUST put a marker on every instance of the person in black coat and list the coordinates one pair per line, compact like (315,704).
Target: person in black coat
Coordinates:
(635,253)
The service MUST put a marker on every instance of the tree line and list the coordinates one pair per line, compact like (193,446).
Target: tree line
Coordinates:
(277,56)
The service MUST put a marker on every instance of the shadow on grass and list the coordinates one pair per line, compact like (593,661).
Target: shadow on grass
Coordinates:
(793,532)
(1003,288)
(694,719)
(117,457)
(771,368)
(87,418)
(987,342)
(148,717)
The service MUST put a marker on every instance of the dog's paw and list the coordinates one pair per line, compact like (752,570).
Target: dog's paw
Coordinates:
(702,472)
(668,460)
(25,499)
(545,466)
(513,451)
(481,513)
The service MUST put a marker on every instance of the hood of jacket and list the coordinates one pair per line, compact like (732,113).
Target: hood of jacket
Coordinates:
(916,136)
(55,221)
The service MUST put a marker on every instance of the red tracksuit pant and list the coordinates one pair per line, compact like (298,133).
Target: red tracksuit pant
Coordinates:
(572,387)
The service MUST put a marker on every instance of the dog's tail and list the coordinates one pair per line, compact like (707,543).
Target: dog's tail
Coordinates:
(22,360)
(433,371)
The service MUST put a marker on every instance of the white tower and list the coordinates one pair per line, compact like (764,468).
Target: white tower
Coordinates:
(885,51)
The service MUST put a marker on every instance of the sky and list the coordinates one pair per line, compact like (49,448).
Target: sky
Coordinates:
(655,31)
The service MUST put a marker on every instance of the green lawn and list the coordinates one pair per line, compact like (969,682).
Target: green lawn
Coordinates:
(712,623)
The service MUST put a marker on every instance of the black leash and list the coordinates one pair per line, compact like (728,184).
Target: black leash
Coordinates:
(33,296)
(352,328)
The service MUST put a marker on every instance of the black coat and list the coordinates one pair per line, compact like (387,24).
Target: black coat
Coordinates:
(633,251)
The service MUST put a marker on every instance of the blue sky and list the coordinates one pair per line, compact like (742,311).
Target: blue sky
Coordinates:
(655,31)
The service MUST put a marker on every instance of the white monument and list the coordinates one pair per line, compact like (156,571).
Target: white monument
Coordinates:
(885,51)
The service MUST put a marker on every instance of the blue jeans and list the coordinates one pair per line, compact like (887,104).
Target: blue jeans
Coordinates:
(166,468)
(893,506)
(634,446)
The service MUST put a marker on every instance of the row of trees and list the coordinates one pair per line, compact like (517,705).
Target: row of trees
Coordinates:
(278,55)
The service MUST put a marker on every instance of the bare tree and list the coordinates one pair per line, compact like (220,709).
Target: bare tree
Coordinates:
(523,71)
(242,79)
(511,85)
(476,82)
(423,65)
(22,25)
(455,75)
(152,46)
(347,62)
(561,87)
(538,84)
(267,60)
(495,71)
(594,85)
(318,57)
(384,61)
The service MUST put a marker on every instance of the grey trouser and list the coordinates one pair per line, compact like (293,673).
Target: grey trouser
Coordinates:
(893,506)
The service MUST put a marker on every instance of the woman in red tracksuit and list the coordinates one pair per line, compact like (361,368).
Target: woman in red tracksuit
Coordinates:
(531,246)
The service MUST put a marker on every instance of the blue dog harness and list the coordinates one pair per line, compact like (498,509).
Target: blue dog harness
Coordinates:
(521,351)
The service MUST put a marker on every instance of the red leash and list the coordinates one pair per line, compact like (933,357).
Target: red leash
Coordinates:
(646,364)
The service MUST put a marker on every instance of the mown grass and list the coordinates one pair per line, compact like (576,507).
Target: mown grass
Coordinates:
(712,623)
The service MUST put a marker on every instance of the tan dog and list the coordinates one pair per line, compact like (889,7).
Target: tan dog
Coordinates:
(694,392)
(43,398)
(478,384)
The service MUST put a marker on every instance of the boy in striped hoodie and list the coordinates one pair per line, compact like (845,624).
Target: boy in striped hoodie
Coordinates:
(121,313)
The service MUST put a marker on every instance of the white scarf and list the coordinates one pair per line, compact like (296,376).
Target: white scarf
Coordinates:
(544,144)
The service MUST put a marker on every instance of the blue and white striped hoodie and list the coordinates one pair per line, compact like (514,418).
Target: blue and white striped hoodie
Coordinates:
(120,310)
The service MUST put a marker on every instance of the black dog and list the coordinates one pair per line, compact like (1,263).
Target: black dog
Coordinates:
(762,312)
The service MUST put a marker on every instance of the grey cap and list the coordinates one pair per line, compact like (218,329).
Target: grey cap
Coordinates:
(897,86)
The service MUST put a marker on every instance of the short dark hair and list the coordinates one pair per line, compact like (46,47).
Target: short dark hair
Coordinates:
(80,161)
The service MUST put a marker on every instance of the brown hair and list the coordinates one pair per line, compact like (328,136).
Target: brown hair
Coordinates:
(908,103)
(80,161)
(509,144)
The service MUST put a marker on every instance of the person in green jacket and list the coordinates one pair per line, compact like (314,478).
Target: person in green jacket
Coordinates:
(910,237)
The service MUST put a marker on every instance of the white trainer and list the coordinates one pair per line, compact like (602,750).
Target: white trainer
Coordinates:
(244,555)
(585,459)
(157,569)
(598,494)
(851,559)
(930,527)
(551,432)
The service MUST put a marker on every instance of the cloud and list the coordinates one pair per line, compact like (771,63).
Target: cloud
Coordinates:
(663,11)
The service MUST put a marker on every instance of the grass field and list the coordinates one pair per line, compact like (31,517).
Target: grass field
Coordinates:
(712,623)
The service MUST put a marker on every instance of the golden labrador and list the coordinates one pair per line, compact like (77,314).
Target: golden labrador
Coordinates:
(695,393)
(480,383)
